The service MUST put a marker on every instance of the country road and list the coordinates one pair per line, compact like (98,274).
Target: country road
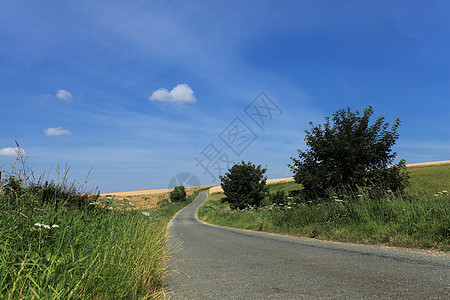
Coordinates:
(211,262)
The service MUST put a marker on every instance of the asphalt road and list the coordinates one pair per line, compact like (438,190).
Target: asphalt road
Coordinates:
(212,262)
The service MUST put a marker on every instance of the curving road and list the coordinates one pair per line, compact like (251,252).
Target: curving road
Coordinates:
(212,262)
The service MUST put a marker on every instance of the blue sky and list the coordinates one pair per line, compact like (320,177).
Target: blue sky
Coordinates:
(141,91)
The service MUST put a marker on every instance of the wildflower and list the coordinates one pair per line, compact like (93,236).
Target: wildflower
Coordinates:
(444,191)
(338,200)
(359,195)
(436,195)
(46,226)
(145,213)
(110,207)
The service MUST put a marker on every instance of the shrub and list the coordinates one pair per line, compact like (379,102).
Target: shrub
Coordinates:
(347,154)
(279,197)
(244,185)
(178,194)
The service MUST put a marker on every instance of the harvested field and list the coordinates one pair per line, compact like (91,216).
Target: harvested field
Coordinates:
(144,198)
(150,198)
(429,164)
(218,188)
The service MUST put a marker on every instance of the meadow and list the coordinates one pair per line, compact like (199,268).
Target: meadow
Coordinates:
(75,245)
(418,219)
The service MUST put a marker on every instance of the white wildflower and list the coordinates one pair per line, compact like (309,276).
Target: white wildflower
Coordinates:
(55,226)
(45,226)
(359,195)
(444,191)
(436,195)
(145,213)
(338,200)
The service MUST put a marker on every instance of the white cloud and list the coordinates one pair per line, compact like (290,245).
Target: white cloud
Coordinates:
(182,93)
(56,131)
(12,152)
(64,95)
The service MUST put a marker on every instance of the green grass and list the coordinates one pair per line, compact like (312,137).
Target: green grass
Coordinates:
(421,219)
(429,180)
(93,253)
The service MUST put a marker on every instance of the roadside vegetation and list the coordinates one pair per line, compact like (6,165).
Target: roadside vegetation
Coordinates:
(418,219)
(60,243)
(346,189)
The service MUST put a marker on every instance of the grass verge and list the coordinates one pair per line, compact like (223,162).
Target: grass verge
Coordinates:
(94,251)
(421,219)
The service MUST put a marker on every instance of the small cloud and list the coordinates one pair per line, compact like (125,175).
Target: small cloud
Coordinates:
(12,152)
(180,94)
(56,131)
(64,95)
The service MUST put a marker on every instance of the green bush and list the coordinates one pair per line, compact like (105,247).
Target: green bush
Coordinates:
(244,185)
(279,197)
(349,153)
(178,194)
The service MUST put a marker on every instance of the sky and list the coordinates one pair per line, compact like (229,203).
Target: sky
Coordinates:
(143,94)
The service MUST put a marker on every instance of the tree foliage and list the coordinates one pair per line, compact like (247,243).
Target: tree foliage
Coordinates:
(347,152)
(244,185)
(178,194)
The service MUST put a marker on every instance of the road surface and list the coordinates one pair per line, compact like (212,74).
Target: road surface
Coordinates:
(212,262)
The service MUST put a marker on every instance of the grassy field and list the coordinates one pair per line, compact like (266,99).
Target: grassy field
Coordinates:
(421,219)
(106,250)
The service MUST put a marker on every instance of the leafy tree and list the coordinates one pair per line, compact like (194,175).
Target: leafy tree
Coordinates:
(244,185)
(347,152)
(178,194)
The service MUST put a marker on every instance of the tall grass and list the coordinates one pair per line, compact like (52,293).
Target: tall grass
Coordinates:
(421,218)
(52,248)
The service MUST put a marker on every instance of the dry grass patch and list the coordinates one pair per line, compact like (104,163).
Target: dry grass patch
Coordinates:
(143,199)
